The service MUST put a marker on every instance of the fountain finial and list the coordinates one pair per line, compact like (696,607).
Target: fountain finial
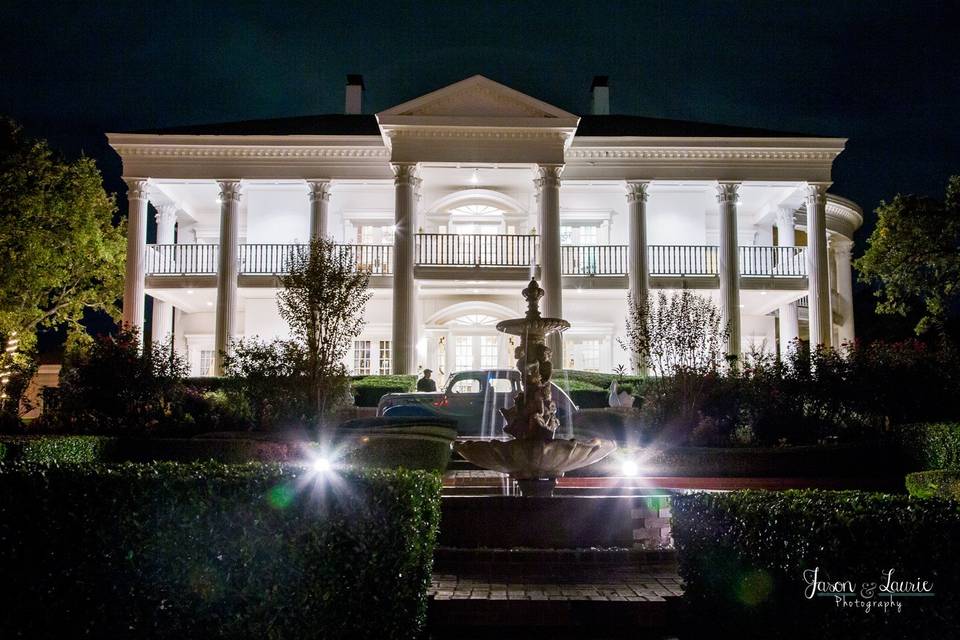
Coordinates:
(532,295)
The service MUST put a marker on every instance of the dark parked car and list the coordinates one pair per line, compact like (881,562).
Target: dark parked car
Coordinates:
(473,399)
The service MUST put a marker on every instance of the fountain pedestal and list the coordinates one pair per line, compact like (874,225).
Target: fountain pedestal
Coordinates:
(534,458)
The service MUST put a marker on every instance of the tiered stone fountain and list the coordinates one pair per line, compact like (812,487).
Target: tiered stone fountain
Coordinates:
(534,458)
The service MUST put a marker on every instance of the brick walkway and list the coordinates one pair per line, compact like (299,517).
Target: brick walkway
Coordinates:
(590,583)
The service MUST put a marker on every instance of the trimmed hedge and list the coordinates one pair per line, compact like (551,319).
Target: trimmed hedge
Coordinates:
(367,390)
(942,483)
(742,556)
(932,446)
(221,551)
(67,449)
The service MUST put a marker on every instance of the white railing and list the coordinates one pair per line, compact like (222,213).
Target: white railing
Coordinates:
(476,250)
(774,262)
(181,259)
(255,259)
(435,249)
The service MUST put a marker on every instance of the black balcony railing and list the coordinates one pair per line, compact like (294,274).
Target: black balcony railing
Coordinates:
(476,250)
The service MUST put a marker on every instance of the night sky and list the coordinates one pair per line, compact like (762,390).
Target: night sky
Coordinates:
(886,75)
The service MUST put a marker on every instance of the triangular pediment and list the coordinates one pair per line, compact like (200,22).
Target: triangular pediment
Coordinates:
(476,97)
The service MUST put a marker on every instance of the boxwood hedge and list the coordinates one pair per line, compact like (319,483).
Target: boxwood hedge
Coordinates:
(207,550)
(941,483)
(367,390)
(932,446)
(57,448)
(742,556)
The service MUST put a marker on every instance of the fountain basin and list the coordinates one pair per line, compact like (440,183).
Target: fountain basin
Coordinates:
(530,459)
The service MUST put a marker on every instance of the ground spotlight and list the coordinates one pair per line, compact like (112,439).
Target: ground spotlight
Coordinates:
(629,468)
(321,465)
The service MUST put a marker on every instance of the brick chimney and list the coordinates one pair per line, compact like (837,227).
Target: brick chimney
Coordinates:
(354,97)
(600,92)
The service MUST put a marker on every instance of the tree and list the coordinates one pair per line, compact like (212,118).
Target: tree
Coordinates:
(323,299)
(60,252)
(913,257)
(680,340)
(682,332)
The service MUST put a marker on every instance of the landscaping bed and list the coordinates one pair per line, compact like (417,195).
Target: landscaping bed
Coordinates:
(743,557)
(209,550)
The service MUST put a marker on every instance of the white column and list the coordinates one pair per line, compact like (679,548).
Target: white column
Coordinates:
(787,313)
(319,192)
(403,346)
(548,186)
(727,197)
(817,274)
(638,267)
(133,284)
(842,251)
(162,323)
(227,271)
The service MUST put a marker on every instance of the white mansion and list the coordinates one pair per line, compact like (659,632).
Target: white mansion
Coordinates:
(453,199)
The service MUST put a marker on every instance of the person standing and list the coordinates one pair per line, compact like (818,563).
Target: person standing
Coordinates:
(426,383)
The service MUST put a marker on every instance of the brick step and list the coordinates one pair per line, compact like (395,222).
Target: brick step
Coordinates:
(560,522)
(612,592)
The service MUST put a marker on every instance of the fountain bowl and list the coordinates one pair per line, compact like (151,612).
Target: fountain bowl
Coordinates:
(532,326)
(531,459)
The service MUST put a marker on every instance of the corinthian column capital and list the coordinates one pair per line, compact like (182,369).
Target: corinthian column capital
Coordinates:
(841,247)
(816,192)
(230,190)
(166,214)
(138,188)
(404,173)
(548,175)
(319,190)
(637,190)
(785,217)
(728,192)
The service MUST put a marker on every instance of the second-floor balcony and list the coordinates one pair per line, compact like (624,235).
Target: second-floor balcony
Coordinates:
(489,252)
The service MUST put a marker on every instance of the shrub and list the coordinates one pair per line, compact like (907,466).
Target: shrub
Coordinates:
(367,390)
(116,387)
(942,483)
(209,550)
(742,556)
(269,379)
(67,449)
(932,446)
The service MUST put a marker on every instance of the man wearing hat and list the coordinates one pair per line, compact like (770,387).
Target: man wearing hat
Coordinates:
(426,383)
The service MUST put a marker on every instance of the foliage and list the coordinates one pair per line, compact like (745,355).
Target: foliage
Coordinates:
(932,446)
(215,551)
(367,390)
(673,335)
(269,378)
(323,299)
(852,392)
(742,556)
(17,370)
(941,483)
(60,252)
(913,256)
(66,449)
(115,387)
(680,340)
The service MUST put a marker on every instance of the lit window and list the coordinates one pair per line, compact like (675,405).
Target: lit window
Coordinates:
(488,352)
(475,320)
(473,210)
(590,355)
(361,357)
(205,366)
(464,353)
(384,357)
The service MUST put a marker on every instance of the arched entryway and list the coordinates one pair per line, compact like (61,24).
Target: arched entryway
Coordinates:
(464,337)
